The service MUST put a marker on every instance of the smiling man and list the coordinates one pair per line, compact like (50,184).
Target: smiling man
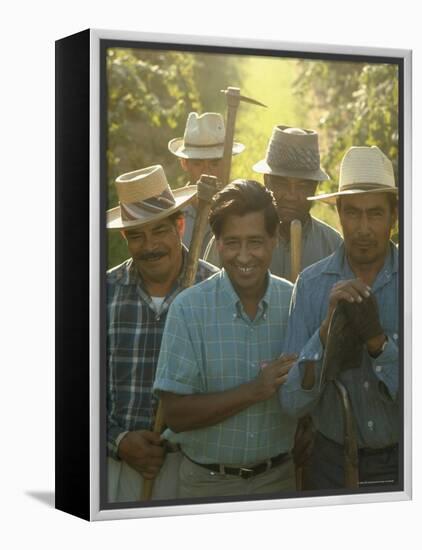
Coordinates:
(220,363)
(360,278)
(139,292)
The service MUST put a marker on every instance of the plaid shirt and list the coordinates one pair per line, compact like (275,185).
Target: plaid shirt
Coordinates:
(134,332)
(211,345)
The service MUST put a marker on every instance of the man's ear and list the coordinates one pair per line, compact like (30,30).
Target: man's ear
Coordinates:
(180,225)
(123,234)
(184,164)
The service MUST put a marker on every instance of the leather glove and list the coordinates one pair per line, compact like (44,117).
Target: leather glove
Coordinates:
(363,318)
(344,349)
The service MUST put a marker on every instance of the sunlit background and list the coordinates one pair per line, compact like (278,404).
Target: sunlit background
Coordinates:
(150,94)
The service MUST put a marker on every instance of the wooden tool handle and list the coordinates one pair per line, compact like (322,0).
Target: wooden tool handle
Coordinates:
(296,249)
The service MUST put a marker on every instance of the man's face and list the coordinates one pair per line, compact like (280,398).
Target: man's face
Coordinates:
(156,249)
(367,221)
(196,167)
(290,196)
(246,250)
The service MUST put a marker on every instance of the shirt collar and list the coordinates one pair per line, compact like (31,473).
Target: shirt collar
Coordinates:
(339,265)
(233,297)
(306,226)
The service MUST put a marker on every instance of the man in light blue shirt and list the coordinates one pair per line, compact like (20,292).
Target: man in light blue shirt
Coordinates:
(362,273)
(220,363)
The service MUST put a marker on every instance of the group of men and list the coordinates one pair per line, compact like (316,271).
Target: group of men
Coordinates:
(241,356)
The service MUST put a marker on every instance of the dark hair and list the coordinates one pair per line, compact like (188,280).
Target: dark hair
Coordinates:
(242,197)
(391,198)
(176,216)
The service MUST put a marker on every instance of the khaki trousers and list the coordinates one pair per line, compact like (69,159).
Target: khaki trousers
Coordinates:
(196,481)
(125,484)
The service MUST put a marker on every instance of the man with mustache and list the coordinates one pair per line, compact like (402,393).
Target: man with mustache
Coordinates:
(220,362)
(139,293)
(360,279)
(292,172)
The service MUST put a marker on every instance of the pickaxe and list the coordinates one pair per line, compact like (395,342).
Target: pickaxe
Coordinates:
(233,98)
(207,188)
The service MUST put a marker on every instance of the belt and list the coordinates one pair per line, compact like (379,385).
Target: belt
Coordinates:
(363,451)
(245,473)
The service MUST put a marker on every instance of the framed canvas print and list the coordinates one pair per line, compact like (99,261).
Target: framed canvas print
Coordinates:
(233,250)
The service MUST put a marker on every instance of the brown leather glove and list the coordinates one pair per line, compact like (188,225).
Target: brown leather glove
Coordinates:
(363,318)
(343,349)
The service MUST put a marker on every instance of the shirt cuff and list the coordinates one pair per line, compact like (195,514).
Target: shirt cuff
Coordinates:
(312,351)
(118,440)
(385,367)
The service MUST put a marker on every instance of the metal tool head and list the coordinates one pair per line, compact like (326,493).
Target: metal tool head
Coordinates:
(235,94)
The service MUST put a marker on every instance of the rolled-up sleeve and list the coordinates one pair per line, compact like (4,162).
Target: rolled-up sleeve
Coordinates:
(178,368)
(303,339)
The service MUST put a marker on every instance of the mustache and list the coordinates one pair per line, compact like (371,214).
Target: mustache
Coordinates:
(150,255)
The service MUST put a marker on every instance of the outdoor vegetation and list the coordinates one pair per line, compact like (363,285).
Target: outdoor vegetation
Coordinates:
(150,94)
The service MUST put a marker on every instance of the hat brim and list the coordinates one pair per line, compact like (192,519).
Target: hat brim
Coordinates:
(182,197)
(262,167)
(331,198)
(177,147)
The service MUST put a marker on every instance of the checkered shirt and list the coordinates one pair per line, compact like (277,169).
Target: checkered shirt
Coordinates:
(134,332)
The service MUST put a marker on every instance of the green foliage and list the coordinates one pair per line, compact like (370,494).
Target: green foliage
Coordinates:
(350,104)
(150,94)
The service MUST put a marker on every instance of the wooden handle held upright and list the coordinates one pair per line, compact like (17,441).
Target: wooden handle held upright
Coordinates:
(296,249)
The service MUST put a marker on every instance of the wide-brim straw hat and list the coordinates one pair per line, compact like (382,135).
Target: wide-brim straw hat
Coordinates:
(292,152)
(203,138)
(362,170)
(145,196)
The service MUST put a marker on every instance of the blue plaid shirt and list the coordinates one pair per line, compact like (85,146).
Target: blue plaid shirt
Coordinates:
(211,345)
(134,332)
(373,388)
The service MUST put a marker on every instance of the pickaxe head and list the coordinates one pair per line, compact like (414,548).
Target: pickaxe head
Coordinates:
(234,95)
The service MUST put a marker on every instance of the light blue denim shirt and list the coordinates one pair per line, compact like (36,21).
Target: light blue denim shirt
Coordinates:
(211,345)
(373,388)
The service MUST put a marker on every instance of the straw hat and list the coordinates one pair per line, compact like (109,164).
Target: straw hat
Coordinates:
(145,196)
(203,138)
(362,170)
(292,152)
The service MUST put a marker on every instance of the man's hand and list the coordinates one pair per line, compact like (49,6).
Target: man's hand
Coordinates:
(364,319)
(272,375)
(144,451)
(351,291)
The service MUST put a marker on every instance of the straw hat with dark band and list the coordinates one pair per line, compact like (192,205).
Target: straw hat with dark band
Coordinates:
(292,152)
(362,170)
(145,196)
(203,138)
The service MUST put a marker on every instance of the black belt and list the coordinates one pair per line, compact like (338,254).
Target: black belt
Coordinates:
(245,473)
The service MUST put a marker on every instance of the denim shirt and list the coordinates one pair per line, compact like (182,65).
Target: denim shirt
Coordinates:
(373,388)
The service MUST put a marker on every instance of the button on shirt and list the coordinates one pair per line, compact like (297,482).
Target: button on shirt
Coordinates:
(134,332)
(373,387)
(318,241)
(211,345)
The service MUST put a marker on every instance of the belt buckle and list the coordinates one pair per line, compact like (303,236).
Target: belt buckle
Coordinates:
(245,473)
